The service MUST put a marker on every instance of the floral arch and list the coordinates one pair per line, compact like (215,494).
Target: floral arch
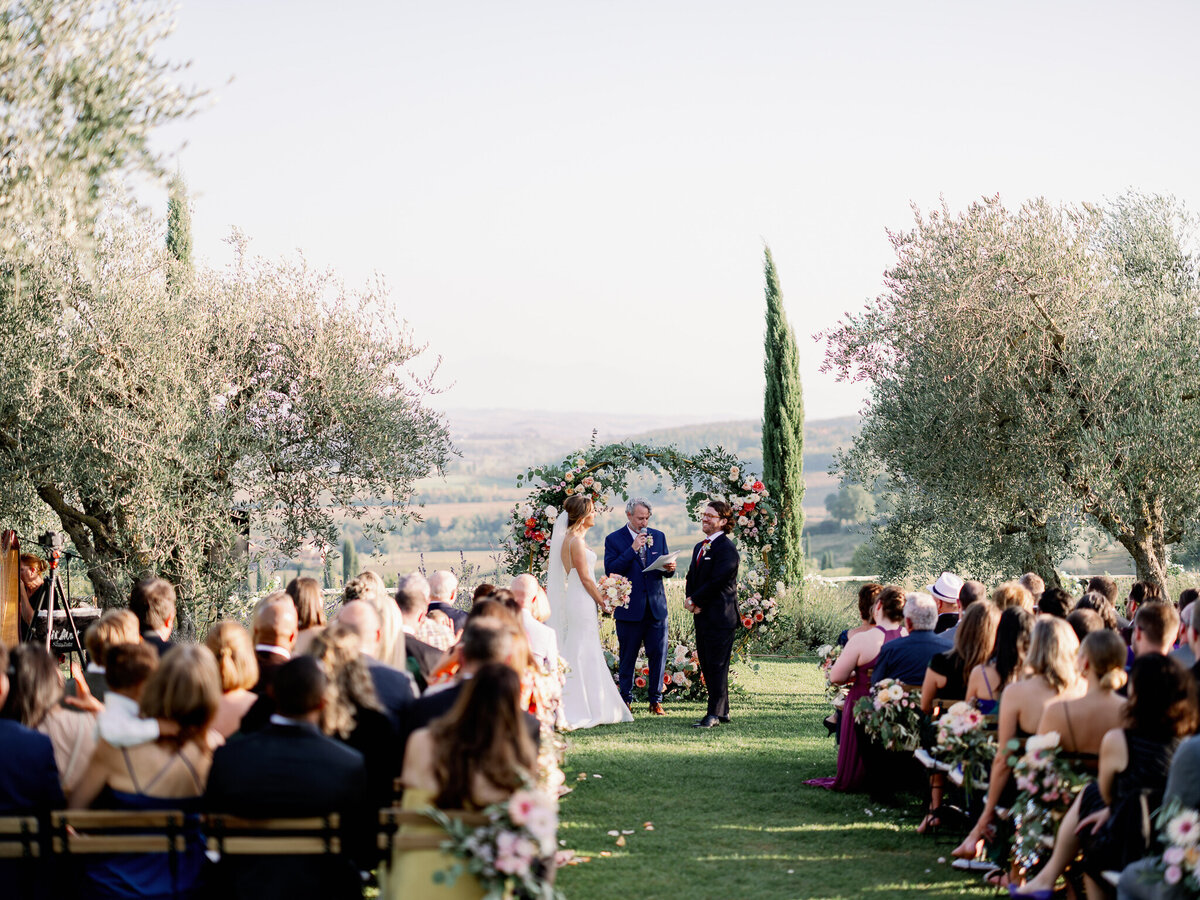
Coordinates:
(600,472)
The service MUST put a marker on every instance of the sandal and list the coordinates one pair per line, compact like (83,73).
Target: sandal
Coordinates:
(997,878)
(931,823)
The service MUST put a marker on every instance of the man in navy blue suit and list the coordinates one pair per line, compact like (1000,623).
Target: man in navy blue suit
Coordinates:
(627,551)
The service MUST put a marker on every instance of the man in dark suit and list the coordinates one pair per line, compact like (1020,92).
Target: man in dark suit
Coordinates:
(627,551)
(484,641)
(29,786)
(412,596)
(443,590)
(289,769)
(711,589)
(395,689)
(152,600)
(275,628)
(906,659)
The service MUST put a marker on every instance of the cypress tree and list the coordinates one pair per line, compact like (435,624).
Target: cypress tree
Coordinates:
(179,235)
(349,560)
(783,431)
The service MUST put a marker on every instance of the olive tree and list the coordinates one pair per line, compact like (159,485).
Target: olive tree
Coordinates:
(1020,382)
(151,422)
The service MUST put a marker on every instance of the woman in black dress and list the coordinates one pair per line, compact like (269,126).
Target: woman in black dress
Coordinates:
(1134,761)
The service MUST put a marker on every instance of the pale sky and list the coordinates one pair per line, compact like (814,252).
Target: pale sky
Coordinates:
(568,200)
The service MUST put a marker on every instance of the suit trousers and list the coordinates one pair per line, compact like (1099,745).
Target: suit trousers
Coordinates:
(714,646)
(630,638)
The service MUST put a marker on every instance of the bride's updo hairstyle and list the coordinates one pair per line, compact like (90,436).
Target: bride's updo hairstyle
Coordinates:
(577,507)
(1105,652)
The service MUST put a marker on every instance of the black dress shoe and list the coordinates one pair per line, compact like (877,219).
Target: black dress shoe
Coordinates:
(707,722)
(724,720)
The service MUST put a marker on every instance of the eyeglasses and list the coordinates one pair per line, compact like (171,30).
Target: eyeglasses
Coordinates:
(710,516)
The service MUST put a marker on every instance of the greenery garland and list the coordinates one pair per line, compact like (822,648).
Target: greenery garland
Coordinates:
(600,473)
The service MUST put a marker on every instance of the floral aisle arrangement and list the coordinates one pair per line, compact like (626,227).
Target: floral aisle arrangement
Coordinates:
(614,591)
(512,855)
(892,715)
(1046,785)
(963,741)
(681,677)
(1179,836)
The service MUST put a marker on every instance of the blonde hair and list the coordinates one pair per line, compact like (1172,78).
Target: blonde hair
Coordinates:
(1012,593)
(185,688)
(234,651)
(1052,651)
(349,680)
(1105,653)
(539,607)
(117,626)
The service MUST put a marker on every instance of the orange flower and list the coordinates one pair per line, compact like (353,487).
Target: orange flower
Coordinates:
(640,681)
(748,622)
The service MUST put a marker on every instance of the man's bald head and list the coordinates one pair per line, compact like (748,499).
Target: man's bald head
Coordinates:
(361,618)
(524,588)
(275,621)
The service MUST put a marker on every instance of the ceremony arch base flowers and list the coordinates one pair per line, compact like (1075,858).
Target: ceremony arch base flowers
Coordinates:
(600,473)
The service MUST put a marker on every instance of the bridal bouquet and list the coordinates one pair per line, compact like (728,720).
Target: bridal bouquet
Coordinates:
(1179,835)
(1047,787)
(615,591)
(962,740)
(512,855)
(892,715)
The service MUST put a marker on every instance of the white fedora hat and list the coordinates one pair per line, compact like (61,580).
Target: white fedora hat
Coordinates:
(946,587)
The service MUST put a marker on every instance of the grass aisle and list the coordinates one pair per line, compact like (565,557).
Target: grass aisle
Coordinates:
(732,818)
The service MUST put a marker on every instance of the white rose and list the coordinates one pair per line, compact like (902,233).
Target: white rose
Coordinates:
(679,678)
(1041,742)
(742,520)
(895,692)
(733,472)
(551,512)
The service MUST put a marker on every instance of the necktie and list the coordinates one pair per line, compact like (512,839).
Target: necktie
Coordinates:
(642,554)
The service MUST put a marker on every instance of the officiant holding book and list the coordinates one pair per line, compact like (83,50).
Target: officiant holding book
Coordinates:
(629,551)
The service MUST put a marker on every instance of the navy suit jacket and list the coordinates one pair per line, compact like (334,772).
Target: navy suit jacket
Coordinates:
(906,659)
(28,777)
(621,559)
(712,584)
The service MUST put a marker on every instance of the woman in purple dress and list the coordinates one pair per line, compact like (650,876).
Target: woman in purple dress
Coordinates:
(854,667)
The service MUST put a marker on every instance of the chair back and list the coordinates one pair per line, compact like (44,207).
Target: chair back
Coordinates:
(19,837)
(236,836)
(93,831)
(392,820)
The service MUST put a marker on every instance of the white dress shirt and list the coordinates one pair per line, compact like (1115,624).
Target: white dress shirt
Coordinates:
(121,724)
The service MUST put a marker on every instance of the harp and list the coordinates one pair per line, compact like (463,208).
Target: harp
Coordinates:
(10,589)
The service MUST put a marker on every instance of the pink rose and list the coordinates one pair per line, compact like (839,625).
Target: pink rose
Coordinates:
(1173,875)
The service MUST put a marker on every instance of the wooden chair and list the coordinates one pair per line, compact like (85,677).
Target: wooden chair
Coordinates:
(235,836)
(87,832)
(20,837)
(391,821)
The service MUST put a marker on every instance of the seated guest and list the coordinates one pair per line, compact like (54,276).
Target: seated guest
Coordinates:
(394,688)
(1106,587)
(289,770)
(29,785)
(1013,593)
(476,755)
(1055,602)
(906,659)
(1084,622)
(310,610)
(484,641)
(482,591)
(945,591)
(443,590)
(368,587)
(987,682)
(427,630)
(970,592)
(117,626)
(35,692)
(1105,822)
(1100,605)
(867,595)
(1081,723)
(542,641)
(1182,653)
(169,773)
(412,598)
(352,714)
(152,600)
(1052,676)
(236,661)
(275,631)
(1155,627)
(127,668)
(1033,583)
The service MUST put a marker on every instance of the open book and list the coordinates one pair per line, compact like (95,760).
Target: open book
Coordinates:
(660,564)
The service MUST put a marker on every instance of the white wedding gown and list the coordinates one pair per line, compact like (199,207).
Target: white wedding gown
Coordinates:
(590,696)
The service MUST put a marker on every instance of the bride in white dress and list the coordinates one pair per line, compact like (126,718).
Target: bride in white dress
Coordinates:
(590,696)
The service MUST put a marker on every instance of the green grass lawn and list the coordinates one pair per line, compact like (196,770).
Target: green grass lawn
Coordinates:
(731,815)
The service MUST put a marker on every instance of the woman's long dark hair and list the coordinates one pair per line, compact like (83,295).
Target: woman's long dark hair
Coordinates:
(1162,698)
(34,687)
(1012,642)
(484,734)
